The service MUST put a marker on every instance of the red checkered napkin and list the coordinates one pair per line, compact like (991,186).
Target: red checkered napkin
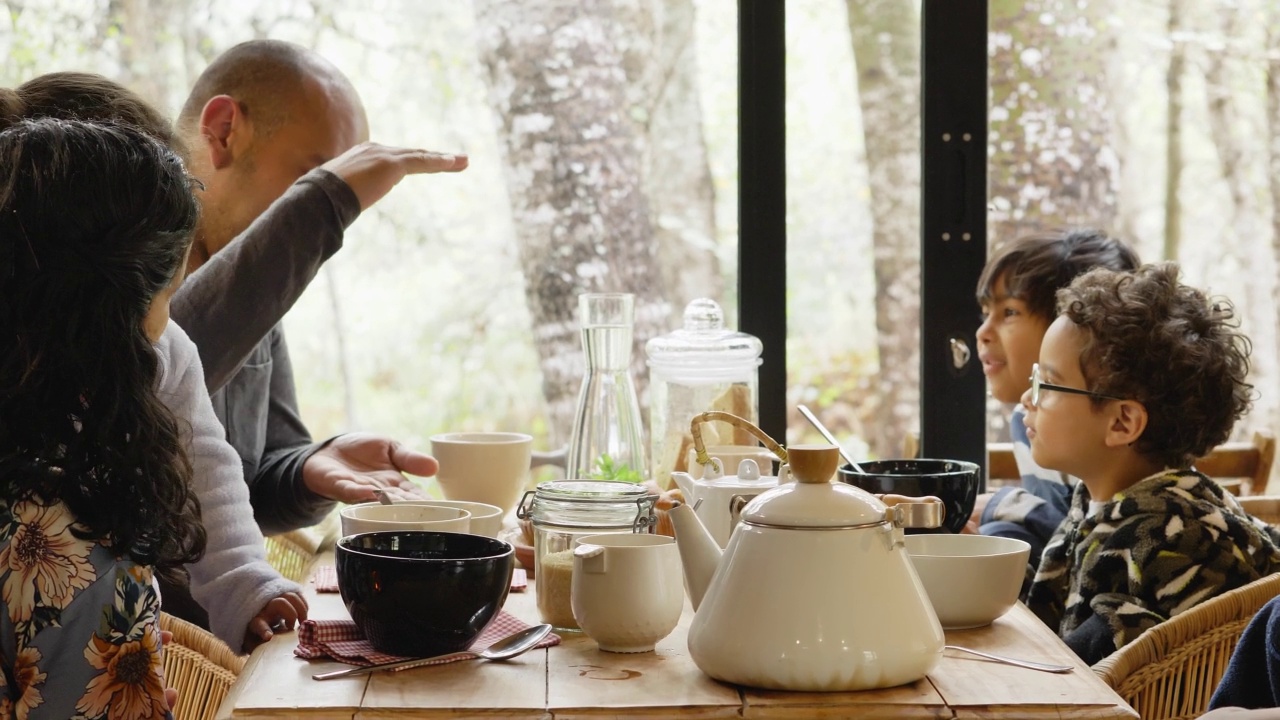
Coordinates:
(325,578)
(340,640)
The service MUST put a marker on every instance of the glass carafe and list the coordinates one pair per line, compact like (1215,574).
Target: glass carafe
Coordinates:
(607,440)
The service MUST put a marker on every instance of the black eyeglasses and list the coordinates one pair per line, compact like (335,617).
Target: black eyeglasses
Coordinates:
(1037,385)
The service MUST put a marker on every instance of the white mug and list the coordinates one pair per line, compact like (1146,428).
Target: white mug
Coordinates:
(628,589)
(485,467)
(375,517)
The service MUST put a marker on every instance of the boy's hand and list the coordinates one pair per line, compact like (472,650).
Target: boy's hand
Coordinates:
(979,506)
(280,613)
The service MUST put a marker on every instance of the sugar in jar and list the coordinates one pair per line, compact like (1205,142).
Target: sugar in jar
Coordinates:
(564,510)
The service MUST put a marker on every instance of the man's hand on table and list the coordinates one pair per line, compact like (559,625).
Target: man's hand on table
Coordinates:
(371,170)
(279,614)
(351,467)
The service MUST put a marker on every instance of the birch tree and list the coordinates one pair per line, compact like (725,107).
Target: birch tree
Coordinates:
(662,97)
(1051,163)
(573,172)
(886,48)
(1244,237)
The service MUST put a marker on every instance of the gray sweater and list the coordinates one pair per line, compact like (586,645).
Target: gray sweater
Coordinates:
(231,308)
(233,581)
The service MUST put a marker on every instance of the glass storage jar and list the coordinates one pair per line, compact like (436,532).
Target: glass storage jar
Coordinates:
(563,510)
(702,366)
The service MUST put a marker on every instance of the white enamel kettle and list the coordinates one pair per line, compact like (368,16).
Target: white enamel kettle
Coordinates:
(717,496)
(815,591)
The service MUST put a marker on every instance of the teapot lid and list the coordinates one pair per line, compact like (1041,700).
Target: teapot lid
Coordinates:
(813,501)
(703,341)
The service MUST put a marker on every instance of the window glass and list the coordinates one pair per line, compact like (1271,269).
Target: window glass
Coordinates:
(452,305)
(853,227)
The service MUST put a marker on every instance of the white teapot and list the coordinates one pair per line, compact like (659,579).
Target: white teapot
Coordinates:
(815,591)
(717,496)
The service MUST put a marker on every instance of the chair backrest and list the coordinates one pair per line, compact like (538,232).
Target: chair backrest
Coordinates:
(1170,671)
(1242,467)
(200,666)
(1264,507)
(1249,461)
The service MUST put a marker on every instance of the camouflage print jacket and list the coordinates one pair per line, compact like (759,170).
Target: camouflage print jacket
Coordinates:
(1163,545)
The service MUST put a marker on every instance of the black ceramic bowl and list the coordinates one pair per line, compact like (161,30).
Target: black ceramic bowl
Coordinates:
(420,593)
(956,482)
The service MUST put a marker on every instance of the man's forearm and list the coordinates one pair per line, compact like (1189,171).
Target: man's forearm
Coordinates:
(234,299)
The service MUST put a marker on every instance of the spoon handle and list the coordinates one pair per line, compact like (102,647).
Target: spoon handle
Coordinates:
(397,665)
(1043,667)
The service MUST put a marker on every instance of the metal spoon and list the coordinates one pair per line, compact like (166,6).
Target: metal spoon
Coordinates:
(1043,667)
(384,497)
(813,420)
(508,647)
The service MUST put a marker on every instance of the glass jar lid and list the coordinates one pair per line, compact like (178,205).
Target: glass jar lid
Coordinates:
(589,504)
(703,342)
(590,491)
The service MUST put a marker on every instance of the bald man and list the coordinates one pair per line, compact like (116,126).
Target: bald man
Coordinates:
(271,121)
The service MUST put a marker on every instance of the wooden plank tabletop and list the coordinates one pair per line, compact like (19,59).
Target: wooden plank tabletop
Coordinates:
(577,680)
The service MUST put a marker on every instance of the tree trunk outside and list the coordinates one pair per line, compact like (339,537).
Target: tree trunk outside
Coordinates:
(886,48)
(1173,141)
(659,57)
(574,174)
(1243,171)
(1051,162)
(141,57)
(1273,127)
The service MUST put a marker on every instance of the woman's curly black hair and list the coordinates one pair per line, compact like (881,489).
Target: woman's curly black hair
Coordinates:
(1168,346)
(95,220)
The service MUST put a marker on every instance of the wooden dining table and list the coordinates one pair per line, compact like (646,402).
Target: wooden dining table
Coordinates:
(577,680)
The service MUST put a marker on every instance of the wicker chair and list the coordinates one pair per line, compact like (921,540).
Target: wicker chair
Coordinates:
(200,666)
(1171,670)
(292,553)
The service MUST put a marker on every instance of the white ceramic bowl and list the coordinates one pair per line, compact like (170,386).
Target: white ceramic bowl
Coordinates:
(375,517)
(486,519)
(970,579)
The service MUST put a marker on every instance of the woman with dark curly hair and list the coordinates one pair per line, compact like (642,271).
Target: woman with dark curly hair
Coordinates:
(1138,376)
(95,226)
(233,592)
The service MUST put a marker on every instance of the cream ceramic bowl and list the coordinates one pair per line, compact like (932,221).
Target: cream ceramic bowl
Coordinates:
(375,517)
(970,579)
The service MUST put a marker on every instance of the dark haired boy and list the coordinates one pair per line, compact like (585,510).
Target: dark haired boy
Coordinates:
(1016,293)
(1138,376)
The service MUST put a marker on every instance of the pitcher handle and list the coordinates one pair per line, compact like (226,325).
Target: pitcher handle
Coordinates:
(700,449)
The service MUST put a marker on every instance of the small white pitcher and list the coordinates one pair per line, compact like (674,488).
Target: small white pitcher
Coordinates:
(628,589)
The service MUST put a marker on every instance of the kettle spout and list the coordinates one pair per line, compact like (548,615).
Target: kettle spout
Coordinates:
(699,552)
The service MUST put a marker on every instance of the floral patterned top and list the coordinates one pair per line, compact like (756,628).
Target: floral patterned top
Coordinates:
(79,631)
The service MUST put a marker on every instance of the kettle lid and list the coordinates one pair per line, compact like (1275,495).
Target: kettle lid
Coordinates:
(813,501)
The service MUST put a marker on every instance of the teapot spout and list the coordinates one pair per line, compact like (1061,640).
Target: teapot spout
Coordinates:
(699,552)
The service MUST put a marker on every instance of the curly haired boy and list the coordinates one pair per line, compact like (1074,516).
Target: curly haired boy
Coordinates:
(1138,376)
(1017,293)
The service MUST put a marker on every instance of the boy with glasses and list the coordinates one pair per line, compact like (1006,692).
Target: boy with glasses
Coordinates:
(1016,294)
(1137,377)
